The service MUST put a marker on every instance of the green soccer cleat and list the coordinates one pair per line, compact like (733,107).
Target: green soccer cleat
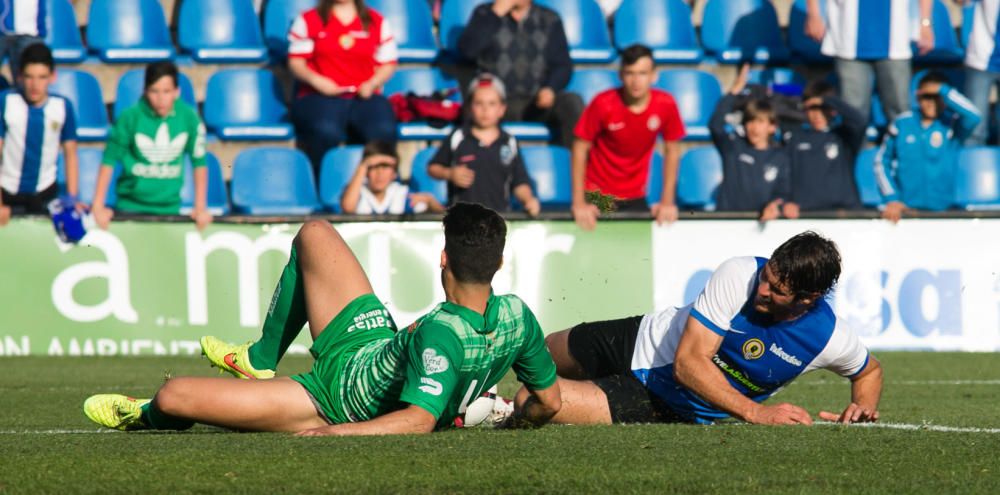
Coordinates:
(116,411)
(232,358)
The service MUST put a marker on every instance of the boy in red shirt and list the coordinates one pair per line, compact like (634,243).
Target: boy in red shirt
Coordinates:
(615,139)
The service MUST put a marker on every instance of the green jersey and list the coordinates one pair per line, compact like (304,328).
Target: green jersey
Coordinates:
(150,150)
(444,360)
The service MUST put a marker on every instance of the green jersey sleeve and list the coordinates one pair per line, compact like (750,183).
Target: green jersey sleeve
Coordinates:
(434,358)
(121,135)
(534,366)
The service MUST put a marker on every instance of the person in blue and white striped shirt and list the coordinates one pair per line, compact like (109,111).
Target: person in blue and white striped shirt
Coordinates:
(33,126)
(22,24)
(982,61)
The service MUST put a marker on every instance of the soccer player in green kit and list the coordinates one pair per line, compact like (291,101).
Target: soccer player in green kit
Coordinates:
(368,378)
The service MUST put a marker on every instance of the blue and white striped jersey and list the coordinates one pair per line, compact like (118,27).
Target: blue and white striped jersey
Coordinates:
(868,29)
(982,51)
(23,17)
(31,139)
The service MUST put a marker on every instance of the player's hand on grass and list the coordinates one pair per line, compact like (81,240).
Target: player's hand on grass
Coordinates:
(585,215)
(853,414)
(4,215)
(102,216)
(781,414)
(202,218)
(462,176)
(664,213)
(322,431)
(893,211)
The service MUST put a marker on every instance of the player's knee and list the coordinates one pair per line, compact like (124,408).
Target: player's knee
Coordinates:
(173,396)
(313,231)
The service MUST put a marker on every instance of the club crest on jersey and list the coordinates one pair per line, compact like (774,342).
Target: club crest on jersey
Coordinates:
(937,139)
(506,155)
(753,349)
(770,173)
(433,363)
(653,123)
(832,151)
(346,41)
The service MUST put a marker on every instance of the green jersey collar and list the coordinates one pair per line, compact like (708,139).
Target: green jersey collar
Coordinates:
(480,323)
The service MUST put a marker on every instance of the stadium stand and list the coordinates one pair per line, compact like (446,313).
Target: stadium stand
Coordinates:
(977,186)
(278,18)
(130,89)
(82,89)
(421,81)
(62,34)
(947,49)
(336,170)
(246,104)
(273,181)
(777,76)
(549,169)
(699,178)
(864,176)
(90,165)
(736,31)
(586,30)
(589,82)
(128,31)
(220,31)
(412,26)
(420,181)
(804,49)
(454,15)
(218,197)
(654,183)
(696,93)
(663,26)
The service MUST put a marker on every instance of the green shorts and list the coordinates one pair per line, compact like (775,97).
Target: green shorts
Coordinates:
(336,345)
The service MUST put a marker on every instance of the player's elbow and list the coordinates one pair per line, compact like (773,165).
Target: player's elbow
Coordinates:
(684,369)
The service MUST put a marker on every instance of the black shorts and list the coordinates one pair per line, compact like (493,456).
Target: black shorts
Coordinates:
(37,203)
(604,351)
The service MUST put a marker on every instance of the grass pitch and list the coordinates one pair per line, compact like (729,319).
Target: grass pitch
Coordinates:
(940,434)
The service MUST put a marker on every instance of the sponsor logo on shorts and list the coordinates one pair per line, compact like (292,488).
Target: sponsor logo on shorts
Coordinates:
(433,363)
(753,349)
(430,386)
(376,318)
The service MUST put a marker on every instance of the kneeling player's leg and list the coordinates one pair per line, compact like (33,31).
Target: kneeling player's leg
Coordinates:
(273,405)
(583,403)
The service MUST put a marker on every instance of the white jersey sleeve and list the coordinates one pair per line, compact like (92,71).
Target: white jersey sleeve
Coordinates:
(726,292)
(844,353)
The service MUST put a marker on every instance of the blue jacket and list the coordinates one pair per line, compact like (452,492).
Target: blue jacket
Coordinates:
(917,165)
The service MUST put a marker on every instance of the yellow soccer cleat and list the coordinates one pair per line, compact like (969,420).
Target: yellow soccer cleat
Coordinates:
(116,411)
(232,358)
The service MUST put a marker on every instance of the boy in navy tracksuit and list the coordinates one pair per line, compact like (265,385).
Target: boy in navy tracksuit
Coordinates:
(823,151)
(916,164)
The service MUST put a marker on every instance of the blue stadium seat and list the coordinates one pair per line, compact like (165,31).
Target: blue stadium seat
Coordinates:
(335,173)
(737,31)
(654,181)
(947,49)
(278,18)
(589,82)
(803,47)
(218,198)
(129,31)
(130,89)
(273,181)
(82,89)
(220,31)
(246,104)
(420,181)
(699,178)
(696,93)
(780,79)
(977,185)
(864,176)
(421,81)
(412,25)
(586,30)
(89,160)
(551,177)
(454,16)
(63,33)
(662,25)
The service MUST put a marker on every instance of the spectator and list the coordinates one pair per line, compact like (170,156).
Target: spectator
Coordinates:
(755,169)
(480,161)
(866,38)
(615,139)
(915,167)
(823,151)
(22,24)
(374,189)
(33,124)
(341,53)
(982,64)
(149,141)
(525,46)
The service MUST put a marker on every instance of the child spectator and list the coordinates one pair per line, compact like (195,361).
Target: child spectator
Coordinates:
(755,168)
(33,125)
(149,141)
(915,166)
(374,189)
(480,161)
(823,151)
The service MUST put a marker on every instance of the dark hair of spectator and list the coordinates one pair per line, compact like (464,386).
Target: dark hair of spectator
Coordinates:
(324,7)
(818,89)
(808,263)
(37,53)
(377,147)
(933,77)
(474,238)
(633,53)
(759,108)
(158,70)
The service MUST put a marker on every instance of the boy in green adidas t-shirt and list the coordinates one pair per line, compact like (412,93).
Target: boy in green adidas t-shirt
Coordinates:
(369,378)
(149,141)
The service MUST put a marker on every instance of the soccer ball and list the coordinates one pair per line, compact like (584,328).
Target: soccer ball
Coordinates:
(478,410)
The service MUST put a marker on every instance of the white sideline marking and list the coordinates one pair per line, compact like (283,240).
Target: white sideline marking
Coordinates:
(55,432)
(911,382)
(913,427)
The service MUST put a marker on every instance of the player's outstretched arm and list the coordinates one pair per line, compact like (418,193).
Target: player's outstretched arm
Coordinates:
(866,391)
(539,407)
(693,368)
(409,421)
